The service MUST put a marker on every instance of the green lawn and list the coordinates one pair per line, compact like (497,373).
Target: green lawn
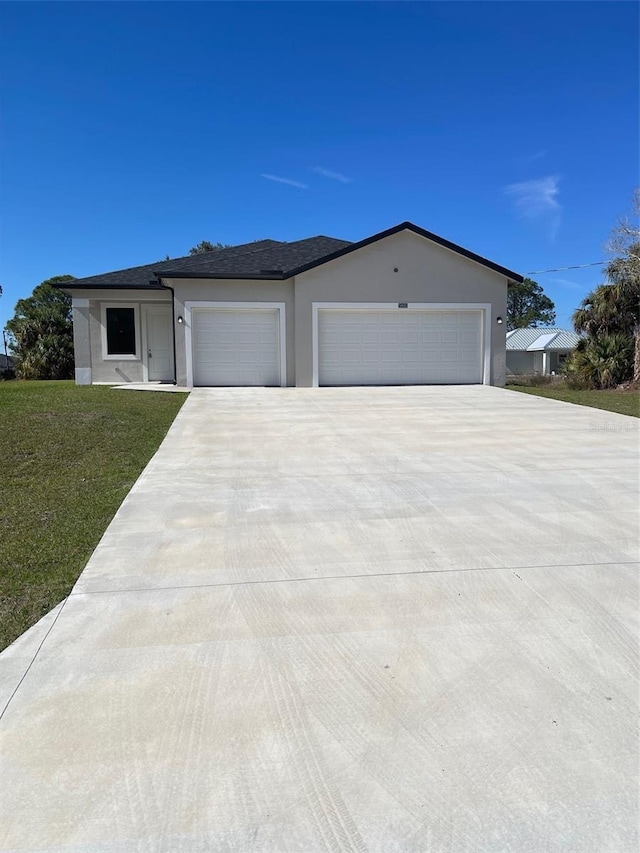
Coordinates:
(623,402)
(68,456)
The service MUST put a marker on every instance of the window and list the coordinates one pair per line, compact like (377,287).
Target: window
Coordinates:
(121,331)
(120,337)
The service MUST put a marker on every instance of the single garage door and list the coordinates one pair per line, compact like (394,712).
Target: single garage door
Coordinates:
(236,346)
(399,347)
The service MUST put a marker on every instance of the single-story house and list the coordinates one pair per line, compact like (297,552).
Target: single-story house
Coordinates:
(6,363)
(401,307)
(540,350)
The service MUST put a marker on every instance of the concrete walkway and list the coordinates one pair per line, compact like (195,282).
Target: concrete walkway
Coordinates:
(386,620)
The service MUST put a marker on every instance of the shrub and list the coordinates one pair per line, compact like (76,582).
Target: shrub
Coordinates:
(600,362)
(535,380)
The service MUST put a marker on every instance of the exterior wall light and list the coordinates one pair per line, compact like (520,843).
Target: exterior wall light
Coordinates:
(181,320)
(498,320)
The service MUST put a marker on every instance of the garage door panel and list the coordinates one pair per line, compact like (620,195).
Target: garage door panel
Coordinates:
(236,347)
(400,347)
(450,355)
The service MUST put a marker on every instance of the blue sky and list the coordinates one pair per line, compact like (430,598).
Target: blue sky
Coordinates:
(135,130)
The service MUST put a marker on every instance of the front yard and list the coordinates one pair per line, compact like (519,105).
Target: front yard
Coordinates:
(623,402)
(68,457)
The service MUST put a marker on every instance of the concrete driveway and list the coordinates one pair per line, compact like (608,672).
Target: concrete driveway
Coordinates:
(385,619)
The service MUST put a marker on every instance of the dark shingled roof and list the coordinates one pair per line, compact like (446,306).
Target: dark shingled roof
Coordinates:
(263,259)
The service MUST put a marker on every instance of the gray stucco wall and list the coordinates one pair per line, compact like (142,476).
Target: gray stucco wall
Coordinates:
(427,272)
(88,334)
(81,341)
(112,370)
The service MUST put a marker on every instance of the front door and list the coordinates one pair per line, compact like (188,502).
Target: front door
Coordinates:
(159,345)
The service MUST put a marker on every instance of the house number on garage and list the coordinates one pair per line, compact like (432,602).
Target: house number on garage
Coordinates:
(403,304)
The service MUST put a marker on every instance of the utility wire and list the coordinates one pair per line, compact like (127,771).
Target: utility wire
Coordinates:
(562,269)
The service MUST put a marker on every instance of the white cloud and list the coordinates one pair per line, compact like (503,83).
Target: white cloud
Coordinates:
(335,176)
(289,181)
(538,200)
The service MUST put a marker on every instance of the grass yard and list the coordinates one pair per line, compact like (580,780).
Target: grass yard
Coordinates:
(623,402)
(68,456)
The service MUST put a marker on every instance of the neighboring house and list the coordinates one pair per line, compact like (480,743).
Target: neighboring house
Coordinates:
(6,363)
(401,307)
(541,351)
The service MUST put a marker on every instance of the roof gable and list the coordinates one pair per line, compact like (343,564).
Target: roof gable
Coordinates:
(542,342)
(428,235)
(538,339)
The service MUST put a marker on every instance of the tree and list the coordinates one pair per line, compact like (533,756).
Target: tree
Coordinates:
(601,361)
(613,308)
(624,270)
(527,306)
(41,333)
(205,246)
(624,275)
(607,310)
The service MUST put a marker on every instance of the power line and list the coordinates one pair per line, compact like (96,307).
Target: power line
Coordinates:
(562,269)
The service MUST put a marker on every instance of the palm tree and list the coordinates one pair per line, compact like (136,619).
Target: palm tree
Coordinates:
(596,314)
(624,275)
(614,308)
(601,361)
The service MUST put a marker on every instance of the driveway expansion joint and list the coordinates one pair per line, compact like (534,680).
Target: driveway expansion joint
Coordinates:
(361,576)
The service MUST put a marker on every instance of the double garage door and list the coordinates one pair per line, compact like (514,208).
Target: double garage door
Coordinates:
(399,347)
(355,346)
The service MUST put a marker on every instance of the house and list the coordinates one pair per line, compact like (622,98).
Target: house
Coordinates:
(401,307)
(541,351)
(6,363)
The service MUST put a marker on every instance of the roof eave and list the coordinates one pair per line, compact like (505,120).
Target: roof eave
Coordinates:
(78,285)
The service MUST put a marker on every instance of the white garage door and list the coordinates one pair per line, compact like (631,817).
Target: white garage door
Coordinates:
(399,347)
(236,347)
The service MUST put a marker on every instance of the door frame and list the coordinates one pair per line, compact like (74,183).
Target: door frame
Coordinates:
(144,335)
(433,307)
(280,307)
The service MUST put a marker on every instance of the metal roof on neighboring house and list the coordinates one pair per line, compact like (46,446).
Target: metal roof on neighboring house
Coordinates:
(530,340)
(565,340)
(543,341)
